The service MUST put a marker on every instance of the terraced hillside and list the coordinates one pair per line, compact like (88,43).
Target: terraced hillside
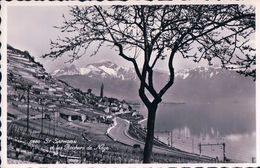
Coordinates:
(53,100)
(54,109)
(49,121)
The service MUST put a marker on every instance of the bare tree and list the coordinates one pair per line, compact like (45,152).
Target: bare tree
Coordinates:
(217,33)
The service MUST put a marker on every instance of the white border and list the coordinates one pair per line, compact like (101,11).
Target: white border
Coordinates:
(4,29)
(4,85)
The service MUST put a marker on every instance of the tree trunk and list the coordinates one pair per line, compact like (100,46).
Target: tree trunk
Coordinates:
(148,149)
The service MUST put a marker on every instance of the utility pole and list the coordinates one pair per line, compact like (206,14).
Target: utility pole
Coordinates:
(224,152)
(28,108)
(169,138)
(42,117)
(49,126)
(200,148)
(216,144)
(54,124)
(192,141)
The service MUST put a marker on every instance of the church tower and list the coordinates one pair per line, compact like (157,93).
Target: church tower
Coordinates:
(101,90)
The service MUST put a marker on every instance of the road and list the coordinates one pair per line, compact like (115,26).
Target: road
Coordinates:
(119,132)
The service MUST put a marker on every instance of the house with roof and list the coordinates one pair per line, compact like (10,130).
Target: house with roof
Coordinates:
(71,115)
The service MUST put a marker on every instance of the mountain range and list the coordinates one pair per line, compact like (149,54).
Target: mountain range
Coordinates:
(197,85)
(104,69)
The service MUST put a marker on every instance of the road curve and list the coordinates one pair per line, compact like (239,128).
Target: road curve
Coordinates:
(119,132)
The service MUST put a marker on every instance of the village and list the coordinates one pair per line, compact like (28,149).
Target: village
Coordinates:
(51,122)
(41,107)
(55,97)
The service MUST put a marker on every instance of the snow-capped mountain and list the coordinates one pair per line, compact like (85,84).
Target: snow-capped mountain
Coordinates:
(72,70)
(104,69)
(107,69)
(190,85)
(205,72)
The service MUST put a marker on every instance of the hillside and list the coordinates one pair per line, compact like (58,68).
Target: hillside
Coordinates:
(24,73)
(53,99)
(50,121)
(55,111)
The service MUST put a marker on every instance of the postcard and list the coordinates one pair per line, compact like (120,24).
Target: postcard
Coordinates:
(129,83)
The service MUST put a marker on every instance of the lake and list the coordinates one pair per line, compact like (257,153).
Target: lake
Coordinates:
(186,125)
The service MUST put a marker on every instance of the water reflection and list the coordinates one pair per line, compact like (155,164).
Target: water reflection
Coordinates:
(186,125)
(238,147)
(203,119)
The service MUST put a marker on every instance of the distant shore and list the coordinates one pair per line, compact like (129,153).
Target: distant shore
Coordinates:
(173,103)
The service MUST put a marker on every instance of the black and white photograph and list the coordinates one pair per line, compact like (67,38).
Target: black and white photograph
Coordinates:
(129,83)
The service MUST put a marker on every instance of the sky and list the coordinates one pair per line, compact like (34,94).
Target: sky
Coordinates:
(31,28)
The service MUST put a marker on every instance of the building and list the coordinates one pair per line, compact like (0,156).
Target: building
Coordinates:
(71,115)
